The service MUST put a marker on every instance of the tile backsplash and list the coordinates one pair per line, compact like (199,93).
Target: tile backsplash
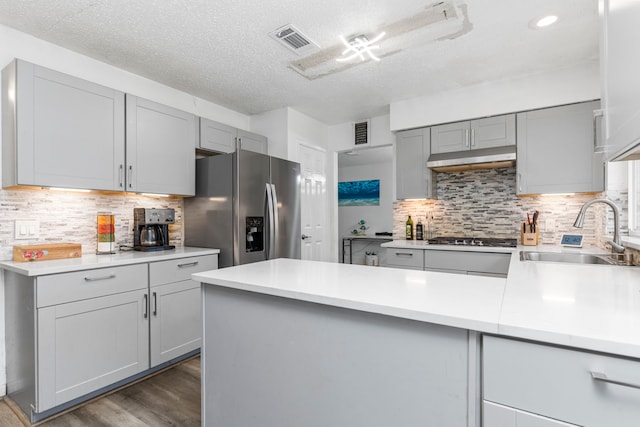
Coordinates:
(483,203)
(71,217)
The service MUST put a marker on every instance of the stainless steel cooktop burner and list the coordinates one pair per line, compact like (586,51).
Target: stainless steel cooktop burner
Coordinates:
(473,241)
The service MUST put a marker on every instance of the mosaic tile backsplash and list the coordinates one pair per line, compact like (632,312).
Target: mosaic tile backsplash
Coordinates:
(71,217)
(483,203)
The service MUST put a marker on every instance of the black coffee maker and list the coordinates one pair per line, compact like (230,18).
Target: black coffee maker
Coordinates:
(151,229)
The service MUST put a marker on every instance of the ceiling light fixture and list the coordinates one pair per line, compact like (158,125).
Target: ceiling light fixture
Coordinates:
(358,46)
(546,21)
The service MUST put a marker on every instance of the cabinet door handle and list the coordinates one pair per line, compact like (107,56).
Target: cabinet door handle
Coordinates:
(466,137)
(599,376)
(403,254)
(96,278)
(130,176)
(596,114)
(473,137)
(155,304)
(121,174)
(188,264)
(145,313)
(520,182)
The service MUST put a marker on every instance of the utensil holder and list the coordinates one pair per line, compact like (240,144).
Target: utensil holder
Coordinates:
(528,237)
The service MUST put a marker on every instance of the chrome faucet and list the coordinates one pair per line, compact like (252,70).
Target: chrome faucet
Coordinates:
(616,244)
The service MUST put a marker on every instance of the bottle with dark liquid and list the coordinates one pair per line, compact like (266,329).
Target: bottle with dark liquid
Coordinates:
(409,229)
(419,230)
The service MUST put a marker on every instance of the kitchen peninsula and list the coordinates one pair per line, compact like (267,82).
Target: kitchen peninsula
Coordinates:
(289,342)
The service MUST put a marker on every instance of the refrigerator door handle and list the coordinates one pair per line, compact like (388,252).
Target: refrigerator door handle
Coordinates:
(270,235)
(276,228)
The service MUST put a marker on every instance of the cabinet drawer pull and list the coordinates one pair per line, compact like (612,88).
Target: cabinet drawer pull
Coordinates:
(599,376)
(473,137)
(403,254)
(145,313)
(129,179)
(94,279)
(121,175)
(189,264)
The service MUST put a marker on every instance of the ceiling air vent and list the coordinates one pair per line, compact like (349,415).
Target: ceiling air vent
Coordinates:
(293,39)
(361,133)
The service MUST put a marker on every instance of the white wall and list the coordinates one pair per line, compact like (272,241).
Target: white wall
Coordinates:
(341,136)
(379,218)
(275,126)
(505,96)
(19,45)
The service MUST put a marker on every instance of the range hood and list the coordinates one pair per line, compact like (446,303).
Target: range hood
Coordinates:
(484,158)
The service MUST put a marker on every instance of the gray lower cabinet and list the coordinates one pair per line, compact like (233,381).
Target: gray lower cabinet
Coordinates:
(223,138)
(175,312)
(73,335)
(413,179)
(494,415)
(475,263)
(570,386)
(89,344)
(559,150)
(497,131)
(459,262)
(411,259)
(60,131)
(160,148)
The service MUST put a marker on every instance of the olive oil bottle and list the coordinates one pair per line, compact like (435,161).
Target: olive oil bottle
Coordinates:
(419,230)
(409,229)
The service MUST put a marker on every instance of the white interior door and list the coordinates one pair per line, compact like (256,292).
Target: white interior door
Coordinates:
(314,203)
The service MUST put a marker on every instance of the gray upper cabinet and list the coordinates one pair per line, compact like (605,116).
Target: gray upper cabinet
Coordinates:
(60,131)
(160,148)
(413,179)
(498,131)
(558,151)
(620,70)
(223,138)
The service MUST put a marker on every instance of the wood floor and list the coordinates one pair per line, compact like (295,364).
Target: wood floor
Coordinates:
(171,398)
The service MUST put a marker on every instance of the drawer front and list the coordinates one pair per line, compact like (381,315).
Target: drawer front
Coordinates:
(472,262)
(177,270)
(558,383)
(79,285)
(409,258)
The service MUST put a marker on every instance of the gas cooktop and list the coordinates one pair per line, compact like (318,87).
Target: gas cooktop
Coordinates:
(473,241)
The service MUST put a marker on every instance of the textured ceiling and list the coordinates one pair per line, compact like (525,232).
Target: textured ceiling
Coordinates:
(220,50)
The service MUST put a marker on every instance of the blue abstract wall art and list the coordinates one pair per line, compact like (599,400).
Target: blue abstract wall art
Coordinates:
(359,193)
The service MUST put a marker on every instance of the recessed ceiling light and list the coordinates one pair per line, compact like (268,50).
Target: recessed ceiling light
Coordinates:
(546,21)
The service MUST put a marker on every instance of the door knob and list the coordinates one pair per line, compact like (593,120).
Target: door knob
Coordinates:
(304,236)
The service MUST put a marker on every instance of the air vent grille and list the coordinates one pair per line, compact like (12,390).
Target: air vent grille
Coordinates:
(292,38)
(361,133)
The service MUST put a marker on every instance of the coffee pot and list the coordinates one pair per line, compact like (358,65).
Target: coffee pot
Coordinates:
(151,229)
(149,236)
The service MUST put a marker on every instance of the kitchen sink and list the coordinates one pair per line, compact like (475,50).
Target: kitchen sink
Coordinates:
(569,257)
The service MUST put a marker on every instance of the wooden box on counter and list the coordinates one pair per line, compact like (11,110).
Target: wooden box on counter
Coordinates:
(45,252)
(528,237)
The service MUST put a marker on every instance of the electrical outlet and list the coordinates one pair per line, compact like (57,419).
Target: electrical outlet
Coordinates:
(27,229)
(550,225)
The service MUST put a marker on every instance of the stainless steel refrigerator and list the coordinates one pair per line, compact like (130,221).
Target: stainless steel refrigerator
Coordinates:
(247,205)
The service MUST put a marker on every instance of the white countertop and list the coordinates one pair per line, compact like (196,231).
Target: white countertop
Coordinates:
(594,307)
(91,261)
(468,302)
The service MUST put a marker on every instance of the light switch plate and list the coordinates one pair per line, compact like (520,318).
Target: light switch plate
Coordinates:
(27,229)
